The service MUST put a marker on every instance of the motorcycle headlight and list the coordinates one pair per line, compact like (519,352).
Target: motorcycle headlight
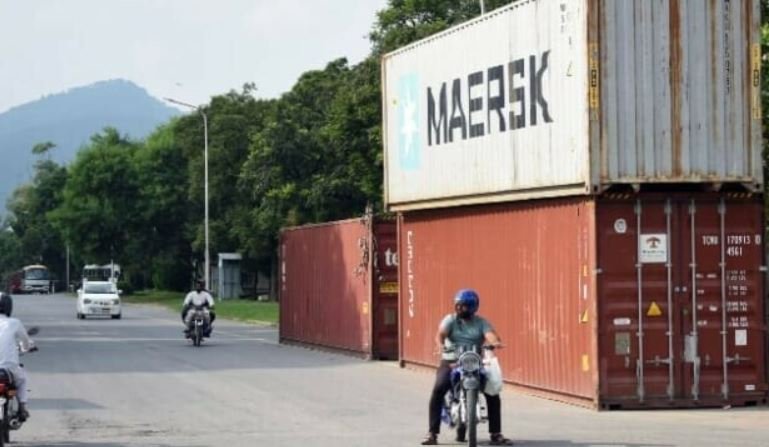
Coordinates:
(470,362)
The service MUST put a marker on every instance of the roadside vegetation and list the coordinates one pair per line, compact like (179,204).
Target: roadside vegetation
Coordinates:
(249,311)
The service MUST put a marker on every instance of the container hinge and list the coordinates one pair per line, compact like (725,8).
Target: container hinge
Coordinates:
(598,271)
(659,361)
(763,268)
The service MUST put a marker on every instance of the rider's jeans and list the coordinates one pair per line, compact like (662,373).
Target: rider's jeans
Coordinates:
(20,380)
(191,313)
(443,385)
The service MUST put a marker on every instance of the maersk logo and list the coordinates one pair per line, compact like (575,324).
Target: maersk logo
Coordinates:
(489,101)
(409,142)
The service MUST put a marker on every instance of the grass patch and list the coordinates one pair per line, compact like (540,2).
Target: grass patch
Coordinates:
(248,310)
(238,310)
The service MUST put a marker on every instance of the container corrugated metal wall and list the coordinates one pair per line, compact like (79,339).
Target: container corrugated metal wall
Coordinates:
(621,301)
(514,103)
(631,91)
(530,264)
(679,92)
(325,286)
(338,286)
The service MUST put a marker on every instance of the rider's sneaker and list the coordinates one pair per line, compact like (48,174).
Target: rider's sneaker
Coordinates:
(499,439)
(430,439)
(23,414)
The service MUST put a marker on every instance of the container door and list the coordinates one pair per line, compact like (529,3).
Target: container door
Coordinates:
(681,286)
(722,300)
(636,249)
(385,293)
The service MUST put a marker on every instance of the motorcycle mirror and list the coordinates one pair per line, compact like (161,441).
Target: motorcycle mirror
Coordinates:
(33,330)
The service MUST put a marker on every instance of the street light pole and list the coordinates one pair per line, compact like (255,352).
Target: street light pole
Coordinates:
(207,267)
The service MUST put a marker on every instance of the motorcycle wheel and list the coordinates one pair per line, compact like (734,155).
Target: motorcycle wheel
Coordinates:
(472,418)
(196,336)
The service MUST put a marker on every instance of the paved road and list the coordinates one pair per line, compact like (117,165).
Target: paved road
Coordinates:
(135,382)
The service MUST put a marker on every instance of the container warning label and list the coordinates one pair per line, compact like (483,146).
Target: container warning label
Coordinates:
(653,248)
(654,310)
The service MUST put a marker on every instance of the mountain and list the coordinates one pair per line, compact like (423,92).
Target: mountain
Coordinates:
(68,120)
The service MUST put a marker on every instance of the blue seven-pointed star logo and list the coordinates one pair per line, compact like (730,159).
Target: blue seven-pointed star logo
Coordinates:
(409,142)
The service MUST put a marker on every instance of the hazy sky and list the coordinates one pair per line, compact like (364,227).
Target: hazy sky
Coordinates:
(187,49)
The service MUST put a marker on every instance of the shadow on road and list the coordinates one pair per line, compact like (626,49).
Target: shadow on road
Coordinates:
(96,444)
(563,443)
(63,404)
(162,349)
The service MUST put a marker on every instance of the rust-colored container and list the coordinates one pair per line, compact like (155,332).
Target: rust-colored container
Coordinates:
(619,301)
(334,294)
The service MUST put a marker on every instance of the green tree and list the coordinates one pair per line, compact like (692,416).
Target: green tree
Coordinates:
(163,211)
(405,21)
(233,119)
(290,161)
(38,240)
(99,215)
(10,252)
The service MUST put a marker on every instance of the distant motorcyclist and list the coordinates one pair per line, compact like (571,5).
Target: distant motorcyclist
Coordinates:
(197,298)
(463,328)
(14,336)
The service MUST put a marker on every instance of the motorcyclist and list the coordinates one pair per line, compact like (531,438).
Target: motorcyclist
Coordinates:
(13,336)
(462,328)
(197,298)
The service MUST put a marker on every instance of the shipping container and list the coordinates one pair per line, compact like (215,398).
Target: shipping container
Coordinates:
(334,293)
(547,98)
(624,300)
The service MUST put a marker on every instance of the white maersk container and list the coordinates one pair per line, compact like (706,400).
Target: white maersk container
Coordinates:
(548,98)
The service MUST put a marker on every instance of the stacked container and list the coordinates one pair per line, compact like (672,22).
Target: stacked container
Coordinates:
(594,169)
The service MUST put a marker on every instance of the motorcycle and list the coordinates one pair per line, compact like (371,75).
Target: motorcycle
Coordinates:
(200,325)
(464,404)
(10,417)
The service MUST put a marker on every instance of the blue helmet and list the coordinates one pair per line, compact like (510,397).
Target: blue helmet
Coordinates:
(469,298)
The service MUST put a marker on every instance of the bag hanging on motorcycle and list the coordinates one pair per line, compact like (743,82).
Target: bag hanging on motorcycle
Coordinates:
(493,377)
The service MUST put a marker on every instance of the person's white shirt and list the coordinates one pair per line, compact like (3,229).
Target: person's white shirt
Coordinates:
(13,335)
(199,298)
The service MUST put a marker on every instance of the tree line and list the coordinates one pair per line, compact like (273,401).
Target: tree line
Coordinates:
(314,154)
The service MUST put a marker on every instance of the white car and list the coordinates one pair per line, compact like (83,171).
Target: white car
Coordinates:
(98,298)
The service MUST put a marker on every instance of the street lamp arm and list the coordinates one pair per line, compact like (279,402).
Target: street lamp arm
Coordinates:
(181,103)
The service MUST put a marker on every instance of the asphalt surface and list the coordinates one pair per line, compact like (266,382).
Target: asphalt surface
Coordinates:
(136,382)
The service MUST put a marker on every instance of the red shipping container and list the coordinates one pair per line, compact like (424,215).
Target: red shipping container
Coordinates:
(617,301)
(334,294)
